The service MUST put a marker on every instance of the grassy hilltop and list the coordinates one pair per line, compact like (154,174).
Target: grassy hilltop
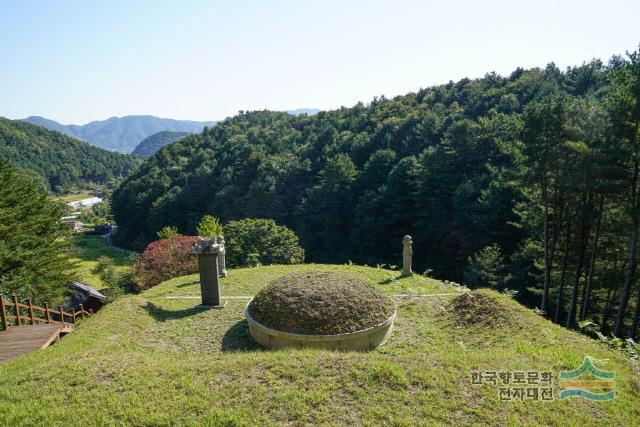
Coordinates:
(150,360)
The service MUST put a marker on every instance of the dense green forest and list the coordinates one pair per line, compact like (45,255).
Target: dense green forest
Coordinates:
(153,143)
(57,162)
(35,261)
(527,183)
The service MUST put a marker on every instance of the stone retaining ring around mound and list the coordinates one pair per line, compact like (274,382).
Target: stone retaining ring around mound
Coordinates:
(366,339)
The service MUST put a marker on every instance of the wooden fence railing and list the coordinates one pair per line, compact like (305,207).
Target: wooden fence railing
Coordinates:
(12,313)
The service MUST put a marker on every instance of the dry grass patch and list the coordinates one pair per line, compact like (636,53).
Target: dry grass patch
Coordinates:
(479,308)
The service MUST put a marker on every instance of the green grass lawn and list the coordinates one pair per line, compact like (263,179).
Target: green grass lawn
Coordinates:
(89,249)
(149,360)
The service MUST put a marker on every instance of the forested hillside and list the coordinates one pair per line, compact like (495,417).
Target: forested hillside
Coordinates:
(57,162)
(153,143)
(526,183)
(121,134)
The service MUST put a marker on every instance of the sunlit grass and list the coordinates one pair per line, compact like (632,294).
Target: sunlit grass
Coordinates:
(89,249)
(75,196)
(149,360)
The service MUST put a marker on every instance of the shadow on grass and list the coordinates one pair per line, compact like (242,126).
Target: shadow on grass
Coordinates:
(393,279)
(237,338)
(191,283)
(161,315)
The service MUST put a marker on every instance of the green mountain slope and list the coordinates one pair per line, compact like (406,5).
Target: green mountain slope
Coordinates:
(363,173)
(59,163)
(488,176)
(121,134)
(153,143)
(149,360)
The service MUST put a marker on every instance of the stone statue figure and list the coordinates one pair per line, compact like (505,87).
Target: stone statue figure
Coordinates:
(407,255)
(222,263)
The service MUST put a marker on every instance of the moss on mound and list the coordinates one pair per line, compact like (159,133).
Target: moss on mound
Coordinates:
(320,303)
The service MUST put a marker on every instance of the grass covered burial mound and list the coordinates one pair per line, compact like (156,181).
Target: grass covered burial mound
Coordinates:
(320,303)
(480,308)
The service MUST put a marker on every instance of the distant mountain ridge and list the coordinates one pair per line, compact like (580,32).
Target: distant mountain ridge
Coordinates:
(121,134)
(153,143)
(57,162)
(307,111)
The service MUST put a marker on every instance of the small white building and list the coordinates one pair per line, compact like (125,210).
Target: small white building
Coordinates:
(85,203)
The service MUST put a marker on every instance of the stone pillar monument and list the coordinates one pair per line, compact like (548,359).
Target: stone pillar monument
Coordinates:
(222,264)
(208,252)
(407,255)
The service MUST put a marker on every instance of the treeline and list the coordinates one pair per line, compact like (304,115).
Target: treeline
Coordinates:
(59,163)
(527,183)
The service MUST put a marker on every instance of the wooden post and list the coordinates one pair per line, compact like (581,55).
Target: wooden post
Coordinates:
(31,319)
(81,311)
(73,316)
(46,312)
(3,314)
(17,308)
(61,314)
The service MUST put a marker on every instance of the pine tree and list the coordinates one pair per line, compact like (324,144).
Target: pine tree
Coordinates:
(486,268)
(34,261)
(325,213)
(624,103)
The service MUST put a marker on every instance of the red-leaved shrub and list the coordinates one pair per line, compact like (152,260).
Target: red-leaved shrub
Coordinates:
(164,259)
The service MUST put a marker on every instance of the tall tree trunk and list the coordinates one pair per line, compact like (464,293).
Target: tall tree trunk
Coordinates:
(633,249)
(592,262)
(550,242)
(558,216)
(611,296)
(563,273)
(584,233)
(636,319)
(605,311)
(547,259)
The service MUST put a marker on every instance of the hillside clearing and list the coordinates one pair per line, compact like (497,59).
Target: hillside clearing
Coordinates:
(89,249)
(74,196)
(150,360)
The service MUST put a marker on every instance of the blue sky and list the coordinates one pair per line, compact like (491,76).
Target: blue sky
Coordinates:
(77,61)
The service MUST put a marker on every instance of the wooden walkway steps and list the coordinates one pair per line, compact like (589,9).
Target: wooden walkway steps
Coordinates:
(26,327)
(18,341)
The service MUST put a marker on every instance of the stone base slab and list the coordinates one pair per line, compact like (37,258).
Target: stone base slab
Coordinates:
(366,339)
(223,305)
